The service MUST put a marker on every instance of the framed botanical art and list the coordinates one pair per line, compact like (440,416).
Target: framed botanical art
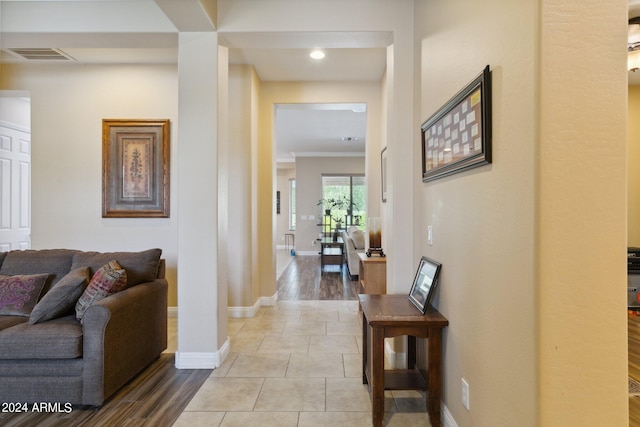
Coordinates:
(135,168)
(458,136)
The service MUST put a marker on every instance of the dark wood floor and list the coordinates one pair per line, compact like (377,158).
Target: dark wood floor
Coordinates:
(304,280)
(156,397)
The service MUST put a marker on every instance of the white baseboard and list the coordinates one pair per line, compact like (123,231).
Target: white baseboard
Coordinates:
(240,312)
(394,359)
(448,420)
(307,253)
(269,301)
(200,360)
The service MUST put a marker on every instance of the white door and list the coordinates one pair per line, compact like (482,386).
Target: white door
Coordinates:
(15,188)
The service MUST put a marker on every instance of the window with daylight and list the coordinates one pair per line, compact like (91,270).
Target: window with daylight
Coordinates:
(345,197)
(292,205)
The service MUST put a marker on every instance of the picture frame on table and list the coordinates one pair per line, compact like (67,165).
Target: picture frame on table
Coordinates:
(425,284)
(135,168)
(458,136)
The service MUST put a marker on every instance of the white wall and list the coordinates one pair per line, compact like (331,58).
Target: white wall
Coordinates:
(309,171)
(15,108)
(285,174)
(68,103)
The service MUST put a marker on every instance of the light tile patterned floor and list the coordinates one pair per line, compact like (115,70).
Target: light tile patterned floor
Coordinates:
(296,364)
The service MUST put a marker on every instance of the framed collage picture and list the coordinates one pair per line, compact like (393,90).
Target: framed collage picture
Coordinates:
(458,136)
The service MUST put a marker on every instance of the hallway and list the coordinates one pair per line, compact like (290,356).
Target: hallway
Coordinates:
(297,364)
(303,279)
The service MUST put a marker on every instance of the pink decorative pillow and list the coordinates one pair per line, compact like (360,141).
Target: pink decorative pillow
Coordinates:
(19,294)
(109,279)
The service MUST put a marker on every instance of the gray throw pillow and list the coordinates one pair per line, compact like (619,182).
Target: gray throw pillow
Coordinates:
(62,298)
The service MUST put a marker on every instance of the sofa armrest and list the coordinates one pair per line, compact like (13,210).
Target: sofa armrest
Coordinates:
(122,334)
(353,261)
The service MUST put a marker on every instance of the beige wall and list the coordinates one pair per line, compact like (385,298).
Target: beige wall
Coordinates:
(633,167)
(309,171)
(68,103)
(581,193)
(239,187)
(483,219)
(285,174)
(532,245)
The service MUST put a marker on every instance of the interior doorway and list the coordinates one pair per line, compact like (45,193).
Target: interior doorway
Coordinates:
(327,138)
(15,171)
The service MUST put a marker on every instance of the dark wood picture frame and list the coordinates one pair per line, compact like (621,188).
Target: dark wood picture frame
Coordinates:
(135,168)
(425,283)
(458,136)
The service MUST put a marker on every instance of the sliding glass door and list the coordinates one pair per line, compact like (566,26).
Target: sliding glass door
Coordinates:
(345,197)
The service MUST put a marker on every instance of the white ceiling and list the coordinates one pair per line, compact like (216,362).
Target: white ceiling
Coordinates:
(147,32)
(311,130)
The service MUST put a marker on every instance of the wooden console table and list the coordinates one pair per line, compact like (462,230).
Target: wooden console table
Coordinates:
(373,274)
(386,316)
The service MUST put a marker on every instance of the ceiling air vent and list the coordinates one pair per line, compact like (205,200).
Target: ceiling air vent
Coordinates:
(40,54)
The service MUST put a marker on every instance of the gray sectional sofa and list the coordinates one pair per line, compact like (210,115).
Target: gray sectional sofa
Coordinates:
(82,363)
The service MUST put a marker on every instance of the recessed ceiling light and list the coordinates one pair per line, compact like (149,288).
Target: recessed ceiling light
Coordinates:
(317,54)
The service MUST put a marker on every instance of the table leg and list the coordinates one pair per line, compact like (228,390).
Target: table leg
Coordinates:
(377,375)
(411,352)
(435,376)
(365,348)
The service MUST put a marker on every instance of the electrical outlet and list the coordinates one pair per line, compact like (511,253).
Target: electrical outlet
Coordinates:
(465,393)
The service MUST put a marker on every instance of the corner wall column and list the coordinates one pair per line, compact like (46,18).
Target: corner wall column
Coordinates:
(201,343)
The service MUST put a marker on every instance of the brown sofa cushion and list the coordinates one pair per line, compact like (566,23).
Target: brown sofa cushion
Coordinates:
(20,293)
(58,338)
(9,321)
(62,298)
(2,256)
(140,266)
(56,262)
